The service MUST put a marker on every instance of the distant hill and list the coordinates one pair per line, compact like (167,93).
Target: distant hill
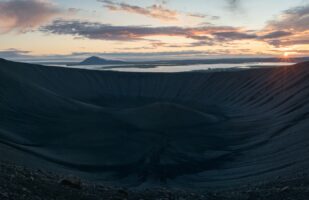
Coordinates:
(94,60)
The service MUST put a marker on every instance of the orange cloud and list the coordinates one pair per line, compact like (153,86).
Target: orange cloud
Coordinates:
(293,25)
(23,15)
(156,11)
(92,30)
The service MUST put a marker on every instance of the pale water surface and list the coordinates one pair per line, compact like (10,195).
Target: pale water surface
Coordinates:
(177,68)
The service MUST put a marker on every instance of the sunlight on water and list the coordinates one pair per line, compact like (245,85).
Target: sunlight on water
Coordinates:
(200,67)
(177,68)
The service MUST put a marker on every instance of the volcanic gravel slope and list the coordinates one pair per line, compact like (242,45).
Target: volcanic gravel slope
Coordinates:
(194,130)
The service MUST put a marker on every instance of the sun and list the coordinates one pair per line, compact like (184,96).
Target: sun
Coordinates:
(286,54)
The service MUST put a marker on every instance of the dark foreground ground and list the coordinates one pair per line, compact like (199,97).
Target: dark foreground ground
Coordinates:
(19,183)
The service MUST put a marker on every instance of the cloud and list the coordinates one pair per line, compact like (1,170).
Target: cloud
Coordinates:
(233,4)
(92,30)
(293,19)
(293,25)
(74,11)
(273,34)
(289,42)
(276,34)
(203,16)
(198,15)
(201,35)
(157,11)
(235,35)
(23,15)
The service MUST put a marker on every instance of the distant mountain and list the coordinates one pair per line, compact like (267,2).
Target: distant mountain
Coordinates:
(94,60)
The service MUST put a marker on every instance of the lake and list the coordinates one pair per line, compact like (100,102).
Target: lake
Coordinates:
(176,68)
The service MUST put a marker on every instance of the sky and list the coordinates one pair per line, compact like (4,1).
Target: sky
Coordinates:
(62,30)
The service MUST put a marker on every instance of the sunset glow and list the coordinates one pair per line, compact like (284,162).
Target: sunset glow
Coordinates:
(37,29)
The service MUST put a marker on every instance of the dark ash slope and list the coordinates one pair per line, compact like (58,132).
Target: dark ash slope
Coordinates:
(181,129)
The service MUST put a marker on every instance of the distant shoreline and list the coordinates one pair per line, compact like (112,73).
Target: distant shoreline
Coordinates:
(188,61)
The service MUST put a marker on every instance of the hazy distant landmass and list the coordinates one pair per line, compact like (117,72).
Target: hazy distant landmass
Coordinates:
(94,60)
(170,66)
(191,130)
(233,60)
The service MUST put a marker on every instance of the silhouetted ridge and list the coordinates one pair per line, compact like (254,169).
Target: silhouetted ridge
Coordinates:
(305,64)
(2,60)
